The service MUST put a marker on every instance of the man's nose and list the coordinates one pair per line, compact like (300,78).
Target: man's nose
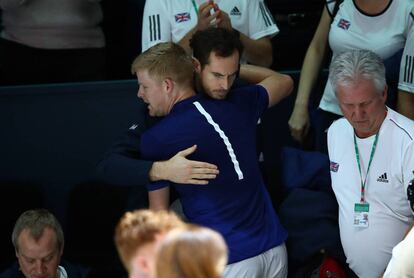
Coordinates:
(359,113)
(139,94)
(40,268)
(225,83)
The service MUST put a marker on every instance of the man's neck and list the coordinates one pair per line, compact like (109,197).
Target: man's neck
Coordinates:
(183,94)
(198,84)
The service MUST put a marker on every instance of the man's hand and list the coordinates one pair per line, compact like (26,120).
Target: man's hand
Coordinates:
(179,169)
(223,20)
(299,124)
(205,19)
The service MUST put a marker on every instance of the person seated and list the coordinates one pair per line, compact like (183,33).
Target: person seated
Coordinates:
(38,241)
(137,236)
(371,160)
(191,251)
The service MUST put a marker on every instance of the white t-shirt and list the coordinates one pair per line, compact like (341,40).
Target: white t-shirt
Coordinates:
(385,34)
(171,20)
(401,264)
(368,250)
(62,272)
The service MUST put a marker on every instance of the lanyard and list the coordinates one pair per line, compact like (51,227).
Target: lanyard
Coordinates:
(363,183)
(195,6)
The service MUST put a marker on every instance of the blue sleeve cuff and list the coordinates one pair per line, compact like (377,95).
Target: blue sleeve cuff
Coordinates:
(157,185)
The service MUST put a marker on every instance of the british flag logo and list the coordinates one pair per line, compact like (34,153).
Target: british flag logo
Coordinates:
(181,17)
(344,24)
(334,166)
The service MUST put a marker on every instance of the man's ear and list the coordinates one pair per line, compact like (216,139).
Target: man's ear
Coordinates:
(61,250)
(197,65)
(168,85)
(142,263)
(385,93)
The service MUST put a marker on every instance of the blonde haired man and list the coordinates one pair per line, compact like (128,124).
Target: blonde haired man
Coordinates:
(137,236)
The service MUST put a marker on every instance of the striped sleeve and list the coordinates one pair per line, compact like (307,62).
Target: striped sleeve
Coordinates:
(156,26)
(267,16)
(406,82)
(261,22)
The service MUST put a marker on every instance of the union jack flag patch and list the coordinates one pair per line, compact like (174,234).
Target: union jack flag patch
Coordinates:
(344,24)
(334,166)
(181,17)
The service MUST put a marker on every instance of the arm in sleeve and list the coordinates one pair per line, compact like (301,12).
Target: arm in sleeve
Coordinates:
(122,164)
(156,27)
(261,22)
(277,85)
(257,43)
(405,100)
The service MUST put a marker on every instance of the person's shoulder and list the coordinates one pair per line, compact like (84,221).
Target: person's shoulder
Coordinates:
(180,112)
(159,2)
(12,272)
(165,4)
(74,270)
(248,88)
(406,3)
(330,4)
(401,123)
(339,126)
(246,92)
(405,7)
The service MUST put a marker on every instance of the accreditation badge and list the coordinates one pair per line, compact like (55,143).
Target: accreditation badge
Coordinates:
(361,213)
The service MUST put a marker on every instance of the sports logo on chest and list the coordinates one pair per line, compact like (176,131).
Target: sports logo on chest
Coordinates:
(133,127)
(235,11)
(383,178)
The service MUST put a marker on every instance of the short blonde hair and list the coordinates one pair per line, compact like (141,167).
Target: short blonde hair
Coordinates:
(137,228)
(166,60)
(191,252)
